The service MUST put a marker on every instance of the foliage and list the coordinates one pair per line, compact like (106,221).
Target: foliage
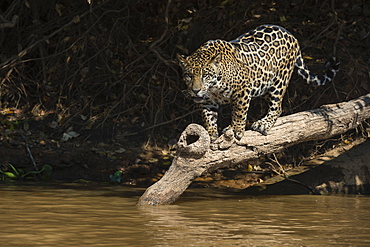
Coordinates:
(112,62)
(15,173)
(116,177)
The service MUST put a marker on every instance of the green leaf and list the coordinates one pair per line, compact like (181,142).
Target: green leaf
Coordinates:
(47,170)
(10,175)
(16,172)
(283,18)
(225,2)
(116,177)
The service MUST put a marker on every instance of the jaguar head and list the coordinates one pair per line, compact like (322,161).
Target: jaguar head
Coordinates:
(200,73)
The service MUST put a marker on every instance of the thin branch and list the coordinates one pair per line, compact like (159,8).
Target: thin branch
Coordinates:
(29,150)
(152,46)
(13,60)
(282,172)
(8,24)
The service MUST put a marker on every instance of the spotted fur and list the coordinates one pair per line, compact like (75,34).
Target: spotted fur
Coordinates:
(259,62)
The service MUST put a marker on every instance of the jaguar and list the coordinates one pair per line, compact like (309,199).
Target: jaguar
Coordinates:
(257,63)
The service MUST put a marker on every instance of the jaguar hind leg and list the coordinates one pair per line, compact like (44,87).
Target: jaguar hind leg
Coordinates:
(275,97)
(266,123)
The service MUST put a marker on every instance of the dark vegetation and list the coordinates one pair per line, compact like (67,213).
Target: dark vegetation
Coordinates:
(94,88)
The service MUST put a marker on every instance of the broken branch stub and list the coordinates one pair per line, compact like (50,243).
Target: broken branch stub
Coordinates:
(194,141)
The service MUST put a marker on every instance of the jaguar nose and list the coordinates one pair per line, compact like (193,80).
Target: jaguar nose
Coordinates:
(196,90)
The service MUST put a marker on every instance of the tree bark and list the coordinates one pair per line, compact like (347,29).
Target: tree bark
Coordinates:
(196,155)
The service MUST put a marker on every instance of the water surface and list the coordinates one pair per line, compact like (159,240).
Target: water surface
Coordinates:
(80,215)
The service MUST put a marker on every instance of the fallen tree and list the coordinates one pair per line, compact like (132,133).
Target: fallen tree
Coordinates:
(196,155)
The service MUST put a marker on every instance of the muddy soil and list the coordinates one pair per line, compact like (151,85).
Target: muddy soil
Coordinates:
(92,157)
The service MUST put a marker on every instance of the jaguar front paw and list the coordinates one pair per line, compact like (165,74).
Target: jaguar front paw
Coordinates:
(238,133)
(262,126)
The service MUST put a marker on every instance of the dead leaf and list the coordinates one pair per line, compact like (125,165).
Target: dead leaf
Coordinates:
(59,8)
(69,135)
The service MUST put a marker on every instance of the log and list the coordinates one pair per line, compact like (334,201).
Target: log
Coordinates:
(196,155)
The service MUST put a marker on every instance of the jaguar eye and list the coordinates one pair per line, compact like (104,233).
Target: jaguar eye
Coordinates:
(188,76)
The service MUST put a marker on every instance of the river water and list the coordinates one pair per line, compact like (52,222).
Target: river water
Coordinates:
(84,215)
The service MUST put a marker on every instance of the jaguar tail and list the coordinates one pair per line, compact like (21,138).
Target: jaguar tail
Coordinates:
(332,67)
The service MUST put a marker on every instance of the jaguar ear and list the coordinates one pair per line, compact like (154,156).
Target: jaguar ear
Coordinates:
(181,59)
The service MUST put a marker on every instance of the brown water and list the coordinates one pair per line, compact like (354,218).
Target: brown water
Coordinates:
(78,215)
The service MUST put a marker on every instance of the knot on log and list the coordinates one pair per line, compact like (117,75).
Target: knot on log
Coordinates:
(194,141)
